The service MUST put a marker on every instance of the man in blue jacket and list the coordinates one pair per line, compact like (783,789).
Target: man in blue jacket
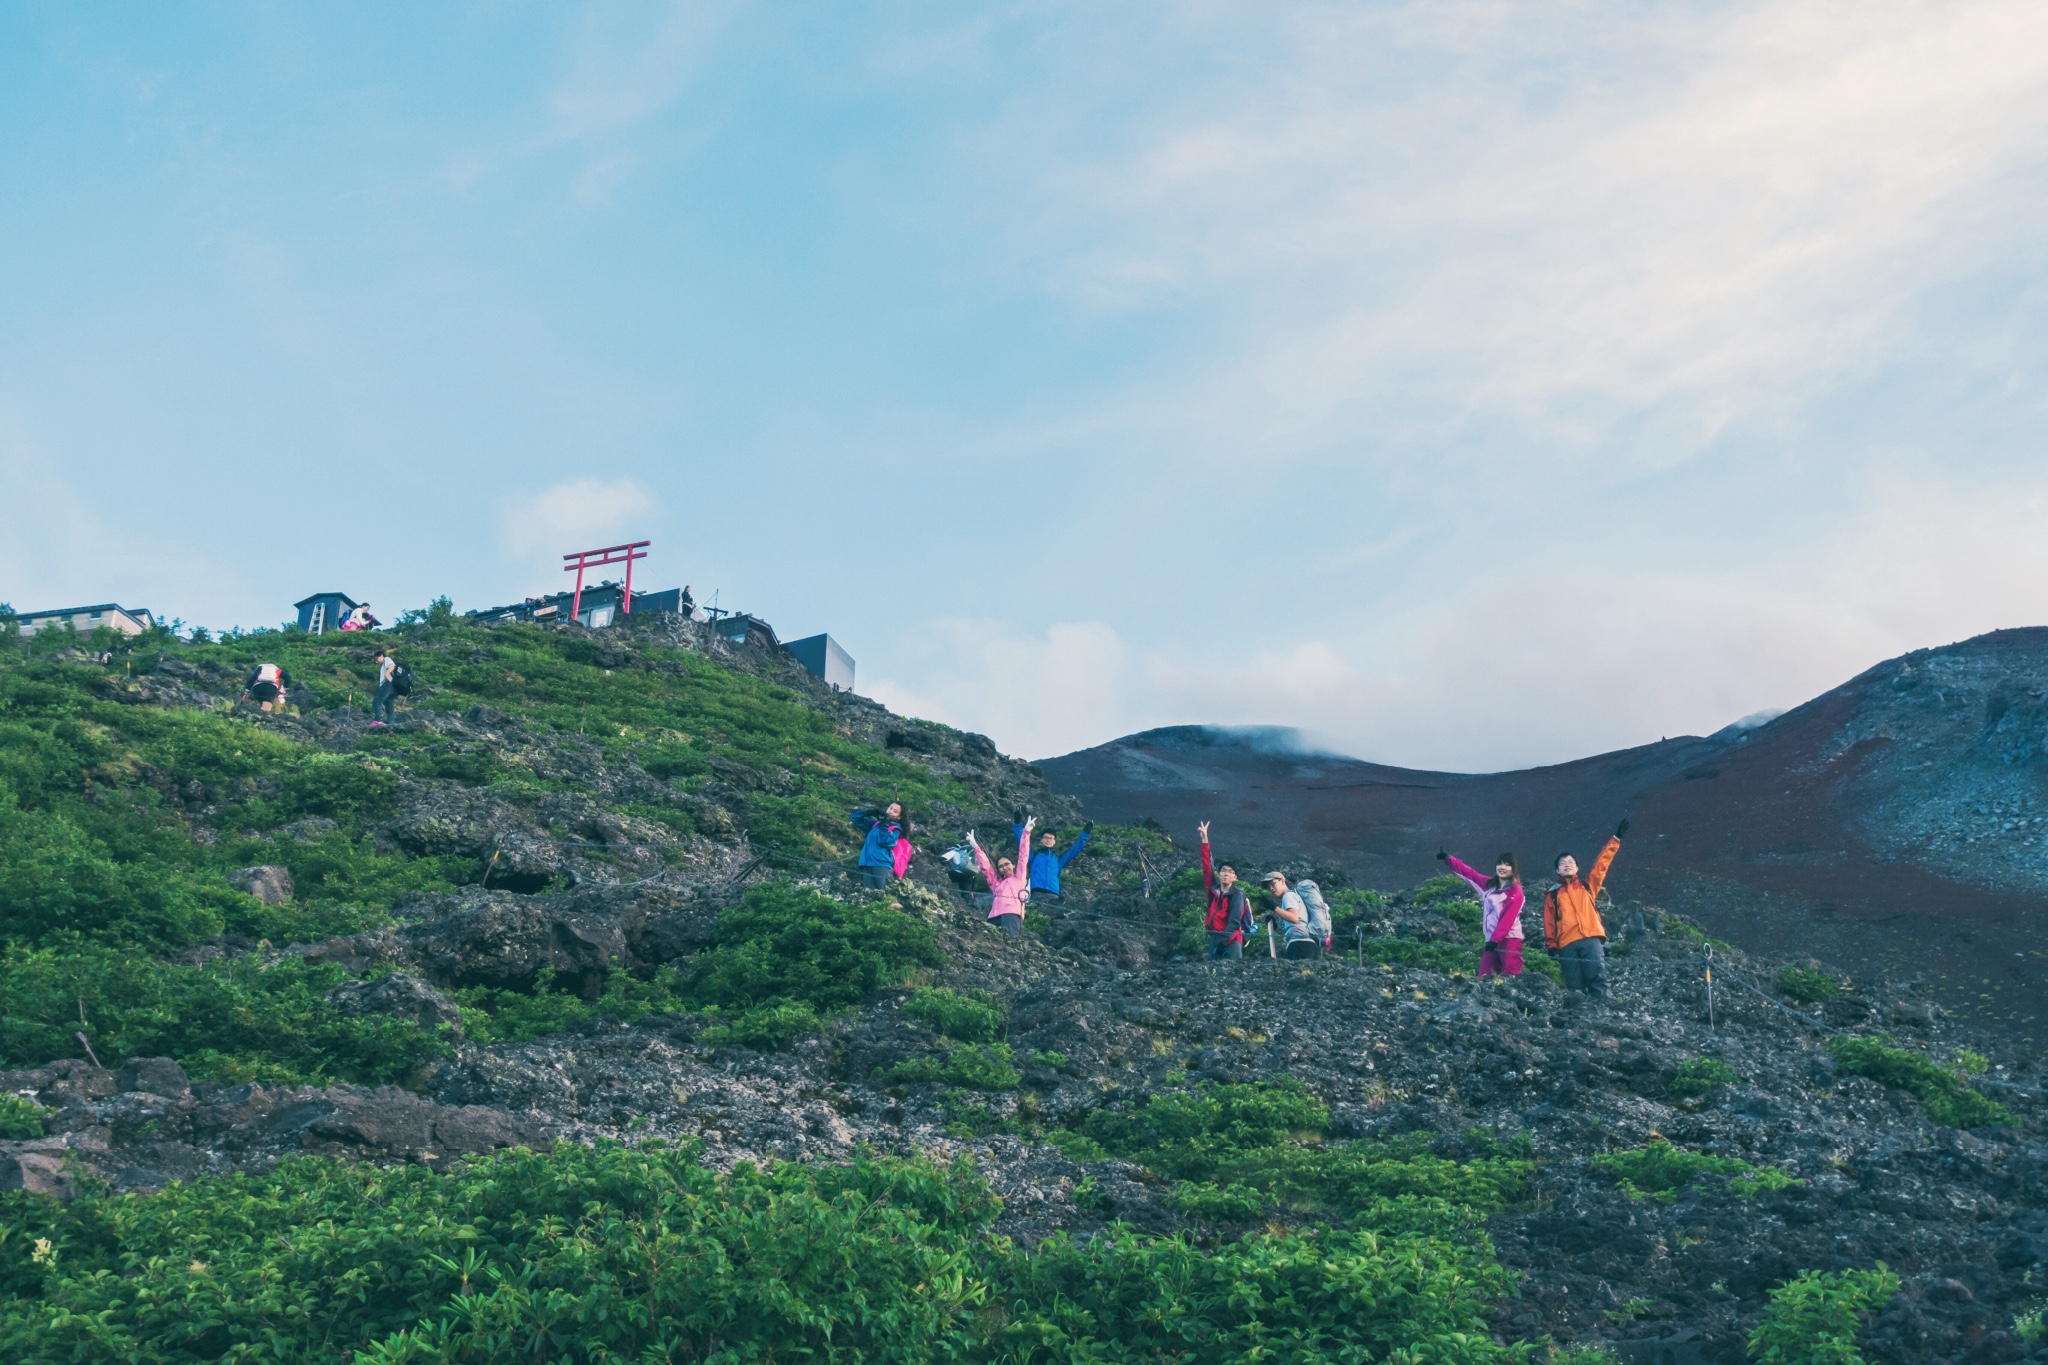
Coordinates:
(878,850)
(1047,862)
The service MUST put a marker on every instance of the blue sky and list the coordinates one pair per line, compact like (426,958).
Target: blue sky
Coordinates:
(1470,385)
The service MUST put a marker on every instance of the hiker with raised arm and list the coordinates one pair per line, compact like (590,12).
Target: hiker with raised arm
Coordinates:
(1047,862)
(1229,917)
(1297,936)
(268,685)
(882,829)
(1009,880)
(1500,911)
(1571,920)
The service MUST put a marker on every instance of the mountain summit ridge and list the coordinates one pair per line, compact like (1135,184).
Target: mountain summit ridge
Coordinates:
(1896,820)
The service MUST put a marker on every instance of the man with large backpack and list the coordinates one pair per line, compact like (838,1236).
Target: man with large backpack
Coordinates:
(1229,916)
(1297,932)
(1571,919)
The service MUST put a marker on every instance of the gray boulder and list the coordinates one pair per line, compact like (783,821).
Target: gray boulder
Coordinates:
(154,1076)
(269,883)
(398,995)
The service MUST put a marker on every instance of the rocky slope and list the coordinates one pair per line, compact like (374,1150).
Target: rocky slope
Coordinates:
(1893,824)
(1799,1160)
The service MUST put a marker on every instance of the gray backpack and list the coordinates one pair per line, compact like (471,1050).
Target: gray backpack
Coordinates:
(1318,909)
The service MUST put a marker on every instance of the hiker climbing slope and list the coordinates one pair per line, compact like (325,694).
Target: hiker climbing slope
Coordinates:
(1047,862)
(1500,912)
(269,684)
(387,689)
(1229,917)
(1009,881)
(1571,921)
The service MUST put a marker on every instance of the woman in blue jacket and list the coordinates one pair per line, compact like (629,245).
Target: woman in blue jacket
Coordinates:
(878,851)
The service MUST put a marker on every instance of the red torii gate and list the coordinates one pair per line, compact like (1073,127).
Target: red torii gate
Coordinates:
(593,559)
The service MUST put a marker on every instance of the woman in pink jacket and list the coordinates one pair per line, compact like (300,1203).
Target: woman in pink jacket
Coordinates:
(1500,912)
(1009,881)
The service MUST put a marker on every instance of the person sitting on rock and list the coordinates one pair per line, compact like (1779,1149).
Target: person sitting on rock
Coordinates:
(269,685)
(878,850)
(1047,862)
(1500,912)
(1229,917)
(1300,939)
(1009,881)
(1571,921)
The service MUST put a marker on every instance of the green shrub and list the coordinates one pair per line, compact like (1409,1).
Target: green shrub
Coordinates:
(772,1025)
(1807,985)
(1662,1169)
(1941,1093)
(232,1019)
(1699,1075)
(611,1253)
(788,945)
(20,1117)
(1227,1143)
(972,1066)
(958,1016)
(1813,1319)
(494,1014)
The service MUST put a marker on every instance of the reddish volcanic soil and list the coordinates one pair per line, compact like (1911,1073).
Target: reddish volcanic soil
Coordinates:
(1896,826)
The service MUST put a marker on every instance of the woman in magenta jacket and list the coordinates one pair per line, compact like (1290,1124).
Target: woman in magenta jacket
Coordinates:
(1009,881)
(1500,912)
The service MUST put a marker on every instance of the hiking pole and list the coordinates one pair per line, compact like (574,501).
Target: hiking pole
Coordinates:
(1358,932)
(1272,941)
(1710,987)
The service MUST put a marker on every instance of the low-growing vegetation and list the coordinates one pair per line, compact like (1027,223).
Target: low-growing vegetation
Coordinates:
(967,1018)
(612,1254)
(1942,1093)
(1807,985)
(1662,1169)
(1813,1319)
(1700,1075)
(1236,1150)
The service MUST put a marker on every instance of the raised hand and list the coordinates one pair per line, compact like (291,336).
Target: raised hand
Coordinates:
(1030,823)
(972,842)
(1621,829)
(1204,828)
(1443,855)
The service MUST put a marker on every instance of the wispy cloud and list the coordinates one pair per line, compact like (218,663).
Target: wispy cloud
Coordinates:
(580,514)
(1581,217)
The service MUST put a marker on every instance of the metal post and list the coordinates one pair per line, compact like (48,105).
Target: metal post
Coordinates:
(576,605)
(626,607)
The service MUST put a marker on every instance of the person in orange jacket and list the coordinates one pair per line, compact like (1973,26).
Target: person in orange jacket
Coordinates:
(1571,921)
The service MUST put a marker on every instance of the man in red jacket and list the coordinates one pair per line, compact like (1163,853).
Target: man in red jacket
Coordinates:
(1229,917)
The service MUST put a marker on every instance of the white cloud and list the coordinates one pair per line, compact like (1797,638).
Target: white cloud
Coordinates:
(581,514)
(1531,661)
(1033,694)
(1581,219)
(626,69)
(64,548)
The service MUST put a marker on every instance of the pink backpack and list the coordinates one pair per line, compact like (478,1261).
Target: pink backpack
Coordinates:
(904,852)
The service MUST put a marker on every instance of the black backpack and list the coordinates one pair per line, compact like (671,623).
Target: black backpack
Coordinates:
(401,680)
